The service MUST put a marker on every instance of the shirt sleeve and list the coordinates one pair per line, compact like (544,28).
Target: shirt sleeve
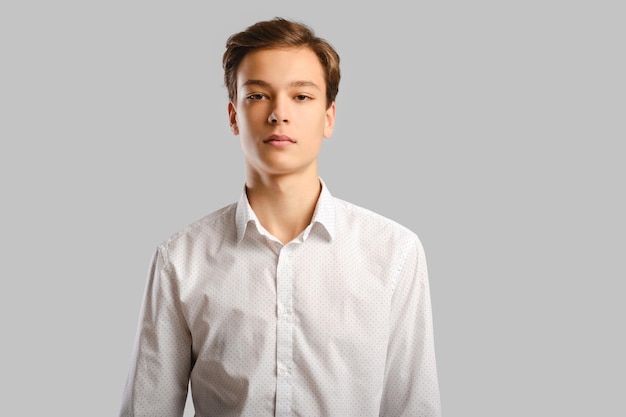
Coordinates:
(161,362)
(411,385)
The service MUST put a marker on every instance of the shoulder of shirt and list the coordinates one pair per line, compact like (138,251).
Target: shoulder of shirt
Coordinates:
(204,226)
(374,219)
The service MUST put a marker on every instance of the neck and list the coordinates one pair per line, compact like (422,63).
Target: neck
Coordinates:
(283,204)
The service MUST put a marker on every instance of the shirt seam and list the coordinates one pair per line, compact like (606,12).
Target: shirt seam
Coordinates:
(402,263)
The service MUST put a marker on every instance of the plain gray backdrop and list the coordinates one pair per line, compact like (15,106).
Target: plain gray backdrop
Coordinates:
(495,130)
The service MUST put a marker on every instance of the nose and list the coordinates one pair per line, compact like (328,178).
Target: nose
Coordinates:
(275,119)
(279,113)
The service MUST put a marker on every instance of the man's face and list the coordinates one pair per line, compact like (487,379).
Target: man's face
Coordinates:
(280,111)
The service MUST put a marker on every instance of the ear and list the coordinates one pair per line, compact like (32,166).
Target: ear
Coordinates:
(330,120)
(232,117)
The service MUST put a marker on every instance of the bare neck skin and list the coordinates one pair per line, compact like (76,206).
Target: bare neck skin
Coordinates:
(283,204)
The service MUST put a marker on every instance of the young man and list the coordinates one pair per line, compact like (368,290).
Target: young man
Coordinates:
(290,302)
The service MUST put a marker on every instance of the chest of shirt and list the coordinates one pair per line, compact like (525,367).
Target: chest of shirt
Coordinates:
(328,299)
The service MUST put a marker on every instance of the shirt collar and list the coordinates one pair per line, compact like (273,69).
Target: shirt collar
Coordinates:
(324,214)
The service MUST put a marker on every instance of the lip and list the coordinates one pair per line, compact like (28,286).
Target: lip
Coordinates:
(279,140)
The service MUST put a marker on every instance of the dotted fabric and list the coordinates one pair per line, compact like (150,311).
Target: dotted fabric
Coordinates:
(336,322)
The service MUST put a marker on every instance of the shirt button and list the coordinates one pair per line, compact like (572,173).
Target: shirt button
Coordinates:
(283,371)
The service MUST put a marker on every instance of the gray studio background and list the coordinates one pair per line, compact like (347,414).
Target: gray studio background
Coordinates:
(495,130)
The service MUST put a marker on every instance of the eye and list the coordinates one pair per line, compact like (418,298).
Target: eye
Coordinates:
(303,97)
(255,97)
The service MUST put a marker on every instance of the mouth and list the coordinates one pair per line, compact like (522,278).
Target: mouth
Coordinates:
(279,139)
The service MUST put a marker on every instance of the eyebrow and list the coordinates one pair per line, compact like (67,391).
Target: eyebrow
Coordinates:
(261,83)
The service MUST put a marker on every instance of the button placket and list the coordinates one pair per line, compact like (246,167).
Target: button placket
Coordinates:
(284,332)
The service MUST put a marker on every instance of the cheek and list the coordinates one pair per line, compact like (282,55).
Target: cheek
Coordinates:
(315,119)
(255,115)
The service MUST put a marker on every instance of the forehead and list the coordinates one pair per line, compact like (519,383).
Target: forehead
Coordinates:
(281,66)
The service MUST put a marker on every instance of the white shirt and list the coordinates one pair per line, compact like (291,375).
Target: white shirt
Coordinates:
(335,323)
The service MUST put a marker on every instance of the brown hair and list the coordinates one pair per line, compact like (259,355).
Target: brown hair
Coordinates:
(279,33)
